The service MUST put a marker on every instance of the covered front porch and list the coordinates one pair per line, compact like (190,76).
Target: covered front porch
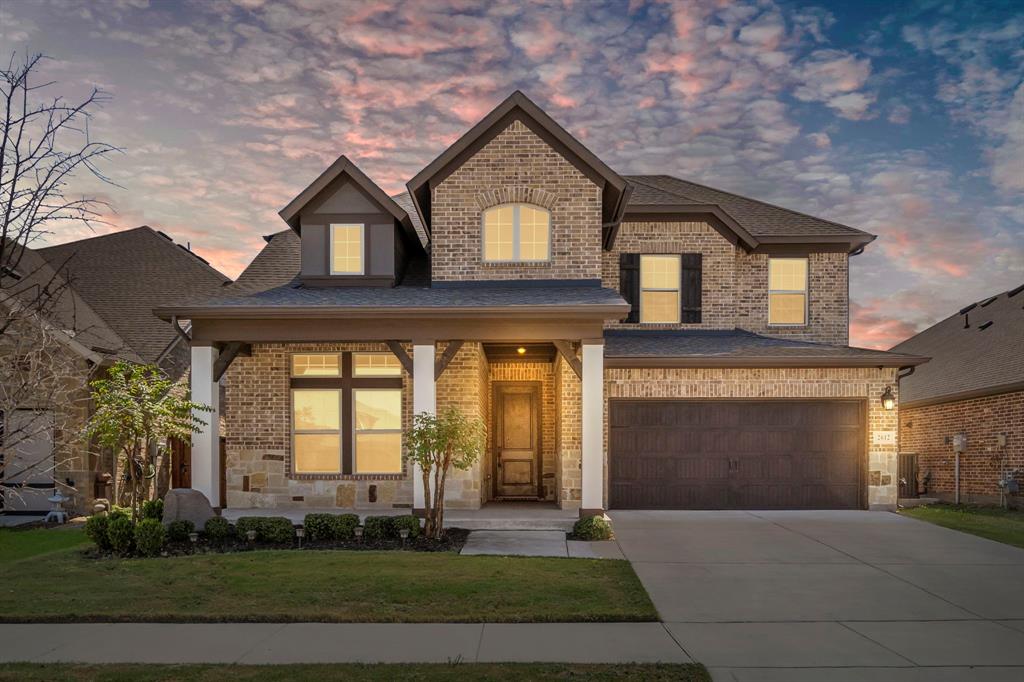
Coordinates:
(535,379)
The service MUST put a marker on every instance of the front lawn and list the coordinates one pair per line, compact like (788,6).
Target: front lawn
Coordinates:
(489,672)
(994,523)
(322,586)
(17,544)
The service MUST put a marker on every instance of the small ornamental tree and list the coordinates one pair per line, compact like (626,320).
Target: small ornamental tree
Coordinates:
(137,409)
(437,443)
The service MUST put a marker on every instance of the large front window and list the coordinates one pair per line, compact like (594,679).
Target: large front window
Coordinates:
(346,249)
(787,291)
(346,413)
(516,233)
(659,289)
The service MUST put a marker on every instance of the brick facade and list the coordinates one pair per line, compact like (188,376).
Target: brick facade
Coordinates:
(734,287)
(518,165)
(867,384)
(928,431)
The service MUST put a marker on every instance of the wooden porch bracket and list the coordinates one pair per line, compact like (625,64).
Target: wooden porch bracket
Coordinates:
(446,357)
(402,356)
(227,355)
(567,352)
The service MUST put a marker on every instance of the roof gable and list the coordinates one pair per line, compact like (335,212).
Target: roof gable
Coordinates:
(519,107)
(343,167)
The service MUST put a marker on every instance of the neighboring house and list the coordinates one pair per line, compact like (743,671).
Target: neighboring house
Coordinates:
(104,290)
(973,386)
(629,341)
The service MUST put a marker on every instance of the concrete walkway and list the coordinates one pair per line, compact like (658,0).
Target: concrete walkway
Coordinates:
(766,596)
(537,543)
(268,643)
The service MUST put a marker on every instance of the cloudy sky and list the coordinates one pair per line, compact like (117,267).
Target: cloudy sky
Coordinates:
(902,119)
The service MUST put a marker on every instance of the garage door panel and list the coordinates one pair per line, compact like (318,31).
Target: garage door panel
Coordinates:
(736,454)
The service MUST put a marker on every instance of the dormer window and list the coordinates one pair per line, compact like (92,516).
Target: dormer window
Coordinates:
(516,233)
(347,249)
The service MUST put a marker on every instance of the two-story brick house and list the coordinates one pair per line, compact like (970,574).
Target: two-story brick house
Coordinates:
(630,341)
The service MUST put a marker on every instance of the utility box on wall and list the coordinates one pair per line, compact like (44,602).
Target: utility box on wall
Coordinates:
(960,443)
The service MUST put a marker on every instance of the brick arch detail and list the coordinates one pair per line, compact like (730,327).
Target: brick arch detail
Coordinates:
(515,195)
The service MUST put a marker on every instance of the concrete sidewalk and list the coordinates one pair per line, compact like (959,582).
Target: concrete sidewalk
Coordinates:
(277,643)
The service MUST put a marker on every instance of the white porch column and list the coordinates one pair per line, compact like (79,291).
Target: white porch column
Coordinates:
(424,399)
(593,426)
(206,443)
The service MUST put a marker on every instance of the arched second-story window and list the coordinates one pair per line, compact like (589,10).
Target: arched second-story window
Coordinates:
(516,233)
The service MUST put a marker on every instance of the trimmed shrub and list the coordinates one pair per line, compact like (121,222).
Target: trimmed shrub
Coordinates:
(96,530)
(319,527)
(177,531)
(345,526)
(592,528)
(119,512)
(276,530)
(121,534)
(149,537)
(378,528)
(410,522)
(217,529)
(153,509)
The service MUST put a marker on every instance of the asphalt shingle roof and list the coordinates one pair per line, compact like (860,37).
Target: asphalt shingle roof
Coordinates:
(759,218)
(276,264)
(124,275)
(726,344)
(977,349)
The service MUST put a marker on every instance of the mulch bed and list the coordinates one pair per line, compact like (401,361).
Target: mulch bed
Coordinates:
(453,540)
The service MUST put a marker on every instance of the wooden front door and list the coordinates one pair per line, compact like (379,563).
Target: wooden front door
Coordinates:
(516,431)
(181,464)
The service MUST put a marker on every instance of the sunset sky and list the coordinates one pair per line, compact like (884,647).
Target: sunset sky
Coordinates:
(902,119)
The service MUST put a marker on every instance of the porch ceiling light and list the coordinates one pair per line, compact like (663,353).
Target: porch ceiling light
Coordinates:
(521,350)
(888,399)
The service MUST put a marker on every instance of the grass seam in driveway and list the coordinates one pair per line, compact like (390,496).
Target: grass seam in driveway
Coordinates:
(287,586)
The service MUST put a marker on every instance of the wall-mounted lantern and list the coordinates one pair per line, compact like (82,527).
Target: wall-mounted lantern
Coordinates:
(888,399)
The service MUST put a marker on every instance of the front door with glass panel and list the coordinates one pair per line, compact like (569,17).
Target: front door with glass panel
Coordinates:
(516,431)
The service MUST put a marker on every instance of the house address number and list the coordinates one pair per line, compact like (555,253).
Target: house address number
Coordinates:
(883,438)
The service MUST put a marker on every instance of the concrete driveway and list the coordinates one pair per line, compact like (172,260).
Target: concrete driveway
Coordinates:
(830,595)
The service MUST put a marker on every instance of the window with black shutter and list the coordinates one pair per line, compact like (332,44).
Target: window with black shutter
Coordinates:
(691,283)
(629,283)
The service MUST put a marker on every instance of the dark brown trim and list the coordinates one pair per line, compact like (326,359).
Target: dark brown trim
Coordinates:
(597,311)
(965,395)
(542,124)
(538,421)
(348,280)
(290,213)
(227,355)
(765,362)
(340,329)
(450,351)
(565,349)
(402,356)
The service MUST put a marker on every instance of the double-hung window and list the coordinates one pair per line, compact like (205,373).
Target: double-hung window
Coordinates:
(347,249)
(659,289)
(516,233)
(787,291)
(346,413)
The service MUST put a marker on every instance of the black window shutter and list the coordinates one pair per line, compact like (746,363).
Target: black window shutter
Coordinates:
(629,283)
(691,293)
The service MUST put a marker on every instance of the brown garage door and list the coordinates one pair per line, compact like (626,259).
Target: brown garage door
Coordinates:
(736,455)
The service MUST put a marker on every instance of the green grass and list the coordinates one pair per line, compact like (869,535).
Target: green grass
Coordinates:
(994,523)
(494,672)
(16,544)
(321,586)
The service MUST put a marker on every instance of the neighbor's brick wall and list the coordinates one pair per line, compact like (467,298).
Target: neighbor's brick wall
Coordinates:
(544,373)
(924,430)
(258,439)
(718,266)
(775,383)
(516,163)
(828,304)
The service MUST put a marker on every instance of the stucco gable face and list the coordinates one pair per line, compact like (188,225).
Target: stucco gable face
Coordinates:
(516,166)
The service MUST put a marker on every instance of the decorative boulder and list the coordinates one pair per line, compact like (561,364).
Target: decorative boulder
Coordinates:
(186,504)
